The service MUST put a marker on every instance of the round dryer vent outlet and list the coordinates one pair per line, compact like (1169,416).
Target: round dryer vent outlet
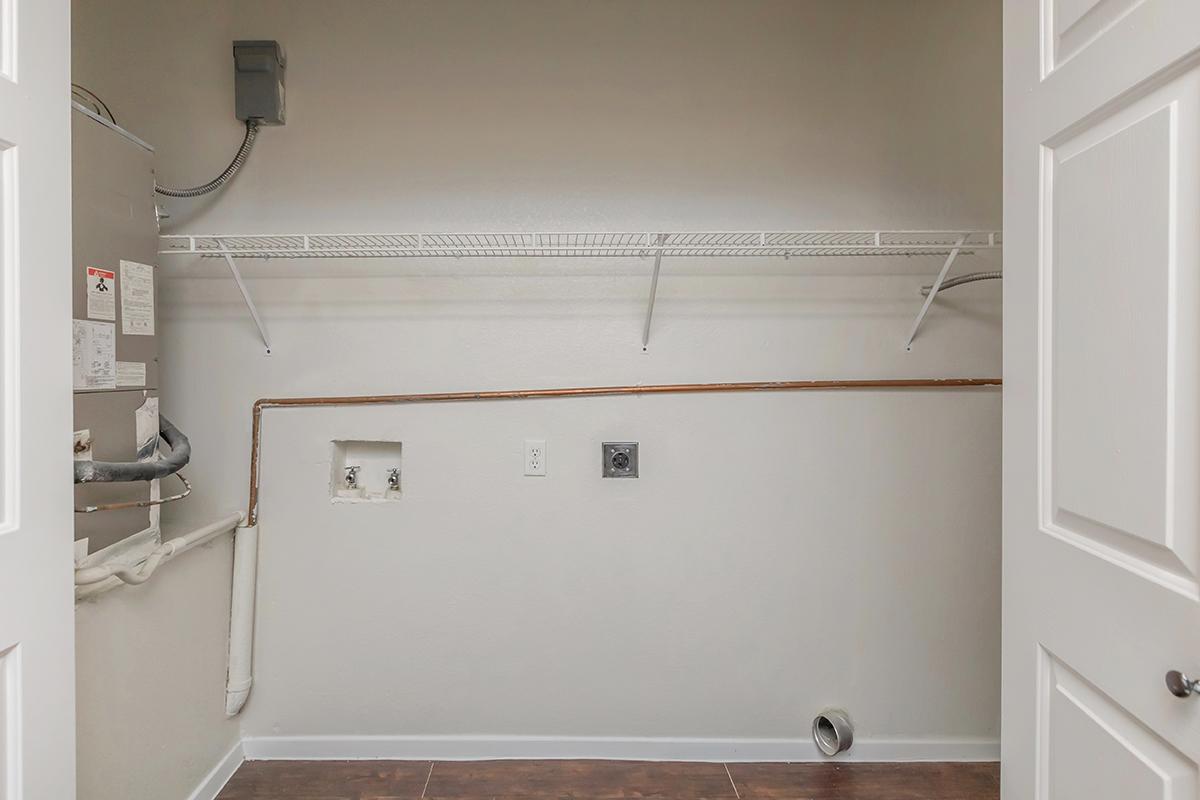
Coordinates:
(832,732)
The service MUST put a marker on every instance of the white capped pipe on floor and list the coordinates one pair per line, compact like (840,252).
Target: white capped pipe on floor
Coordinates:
(94,580)
(241,619)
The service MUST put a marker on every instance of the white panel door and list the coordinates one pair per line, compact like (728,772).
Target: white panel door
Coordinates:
(37,753)
(1102,399)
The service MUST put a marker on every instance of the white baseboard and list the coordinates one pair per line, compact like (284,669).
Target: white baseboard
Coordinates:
(216,779)
(471,748)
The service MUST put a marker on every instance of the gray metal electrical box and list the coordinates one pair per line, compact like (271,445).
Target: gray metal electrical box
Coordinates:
(258,67)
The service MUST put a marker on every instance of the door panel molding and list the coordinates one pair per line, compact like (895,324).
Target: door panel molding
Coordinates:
(10,721)
(1109,286)
(1088,744)
(1070,26)
(10,309)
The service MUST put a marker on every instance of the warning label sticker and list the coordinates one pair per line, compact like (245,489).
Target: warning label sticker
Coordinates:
(101,294)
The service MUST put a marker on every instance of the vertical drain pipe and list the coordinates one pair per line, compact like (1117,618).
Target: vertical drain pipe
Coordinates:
(241,620)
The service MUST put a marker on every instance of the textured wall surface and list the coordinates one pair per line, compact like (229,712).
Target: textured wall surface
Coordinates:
(780,553)
(150,665)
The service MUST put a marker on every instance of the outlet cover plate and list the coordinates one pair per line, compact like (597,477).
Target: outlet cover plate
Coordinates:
(620,459)
(535,457)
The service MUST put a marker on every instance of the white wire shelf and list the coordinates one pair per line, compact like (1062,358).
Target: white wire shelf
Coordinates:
(947,245)
(709,244)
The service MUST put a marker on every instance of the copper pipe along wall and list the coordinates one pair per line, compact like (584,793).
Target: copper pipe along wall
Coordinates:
(587,391)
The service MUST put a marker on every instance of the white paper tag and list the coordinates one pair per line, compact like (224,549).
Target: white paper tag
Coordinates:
(83,445)
(101,294)
(146,424)
(94,361)
(131,374)
(137,299)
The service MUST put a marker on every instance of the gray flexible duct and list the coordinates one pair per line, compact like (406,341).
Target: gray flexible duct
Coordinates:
(970,277)
(126,471)
(216,183)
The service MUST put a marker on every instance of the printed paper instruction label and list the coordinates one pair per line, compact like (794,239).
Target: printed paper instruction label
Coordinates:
(131,373)
(137,299)
(94,355)
(101,294)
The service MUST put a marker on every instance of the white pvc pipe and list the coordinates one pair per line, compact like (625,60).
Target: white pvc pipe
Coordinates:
(241,620)
(101,578)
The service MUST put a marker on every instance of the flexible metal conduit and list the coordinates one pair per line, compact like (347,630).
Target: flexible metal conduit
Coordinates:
(970,277)
(216,183)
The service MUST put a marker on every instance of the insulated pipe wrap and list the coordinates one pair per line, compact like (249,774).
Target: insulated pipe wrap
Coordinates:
(128,471)
(240,676)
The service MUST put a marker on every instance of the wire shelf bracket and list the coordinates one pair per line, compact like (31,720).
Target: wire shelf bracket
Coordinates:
(933,290)
(658,256)
(253,309)
(629,244)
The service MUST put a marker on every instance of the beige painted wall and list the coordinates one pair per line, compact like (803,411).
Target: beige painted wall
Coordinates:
(150,666)
(781,552)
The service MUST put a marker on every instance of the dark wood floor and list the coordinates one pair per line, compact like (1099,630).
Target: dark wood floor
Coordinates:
(607,780)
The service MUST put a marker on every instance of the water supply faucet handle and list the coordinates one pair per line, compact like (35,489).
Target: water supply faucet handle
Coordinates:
(351,477)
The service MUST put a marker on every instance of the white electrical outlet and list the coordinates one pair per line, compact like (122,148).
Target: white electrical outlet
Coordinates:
(535,456)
